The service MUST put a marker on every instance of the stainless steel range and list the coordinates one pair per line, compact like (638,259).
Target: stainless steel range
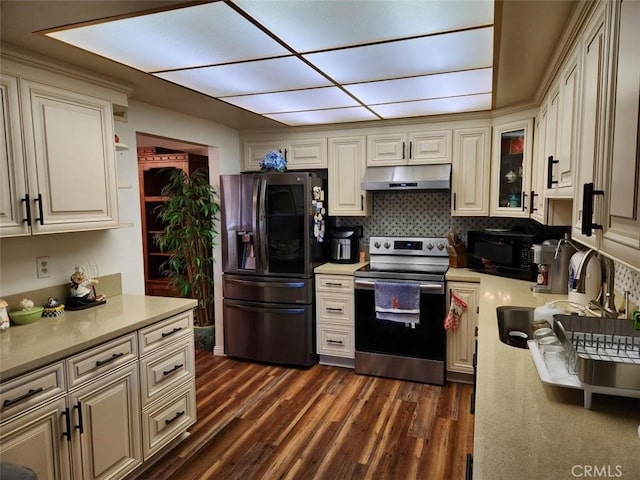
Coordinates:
(413,350)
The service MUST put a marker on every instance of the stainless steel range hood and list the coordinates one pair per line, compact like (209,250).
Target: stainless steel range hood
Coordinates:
(407,177)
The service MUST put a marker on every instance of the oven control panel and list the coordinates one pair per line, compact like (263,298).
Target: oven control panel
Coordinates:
(430,246)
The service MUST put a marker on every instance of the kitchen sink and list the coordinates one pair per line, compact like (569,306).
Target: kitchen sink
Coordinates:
(514,325)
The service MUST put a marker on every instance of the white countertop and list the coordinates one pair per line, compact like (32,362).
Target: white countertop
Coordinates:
(339,268)
(26,347)
(525,429)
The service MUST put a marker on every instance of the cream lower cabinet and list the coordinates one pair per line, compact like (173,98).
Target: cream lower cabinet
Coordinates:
(335,319)
(90,417)
(461,342)
(64,178)
(347,162)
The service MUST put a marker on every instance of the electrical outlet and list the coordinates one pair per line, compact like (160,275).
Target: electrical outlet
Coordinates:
(43,267)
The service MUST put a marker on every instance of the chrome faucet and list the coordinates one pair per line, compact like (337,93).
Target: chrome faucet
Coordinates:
(606,305)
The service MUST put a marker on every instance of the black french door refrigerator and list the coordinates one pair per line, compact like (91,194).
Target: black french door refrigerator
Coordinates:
(273,228)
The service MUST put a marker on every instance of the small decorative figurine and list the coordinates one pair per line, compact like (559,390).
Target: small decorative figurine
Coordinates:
(83,291)
(53,308)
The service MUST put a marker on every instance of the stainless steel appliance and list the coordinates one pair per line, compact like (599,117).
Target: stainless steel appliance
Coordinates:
(344,246)
(272,238)
(552,258)
(393,349)
(507,253)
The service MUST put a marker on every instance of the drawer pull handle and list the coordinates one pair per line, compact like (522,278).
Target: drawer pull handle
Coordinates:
(30,393)
(333,309)
(175,330)
(171,420)
(99,363)
(333,284)
(169,372)
(335,342)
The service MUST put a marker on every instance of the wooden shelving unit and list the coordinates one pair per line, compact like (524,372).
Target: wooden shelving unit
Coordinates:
(154,168)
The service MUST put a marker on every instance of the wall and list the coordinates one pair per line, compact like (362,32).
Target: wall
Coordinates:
(428,214)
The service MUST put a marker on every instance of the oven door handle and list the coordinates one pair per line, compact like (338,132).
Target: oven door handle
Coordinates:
(424,287)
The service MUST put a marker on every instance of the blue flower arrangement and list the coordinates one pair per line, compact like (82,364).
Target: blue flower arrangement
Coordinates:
(273,162)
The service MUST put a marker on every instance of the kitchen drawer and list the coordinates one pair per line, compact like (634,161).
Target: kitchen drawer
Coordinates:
(168,418)
(336,340)
(165,332)
(335,308)
(165,368)
(334,283)
(101,359)
(31,390)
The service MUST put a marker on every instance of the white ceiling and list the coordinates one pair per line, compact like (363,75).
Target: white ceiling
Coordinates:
(303,62)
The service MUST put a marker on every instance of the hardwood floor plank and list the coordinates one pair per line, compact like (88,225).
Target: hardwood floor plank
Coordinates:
(264,422)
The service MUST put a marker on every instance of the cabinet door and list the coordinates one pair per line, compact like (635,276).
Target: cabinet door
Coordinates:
(70,136)
(254,152)
(537,203)
(105,416)
(461,342)
(552,139)
(35,440)
(346,168)
(13,187)
(430,147)
(621,225)
(470,171)
(591,137)
(307,154)
(386,149)
(511,169)
(564,170)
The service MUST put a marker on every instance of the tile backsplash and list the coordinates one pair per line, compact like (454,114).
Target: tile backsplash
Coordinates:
(428,214)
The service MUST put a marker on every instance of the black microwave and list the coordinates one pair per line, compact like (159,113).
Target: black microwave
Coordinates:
(503,252)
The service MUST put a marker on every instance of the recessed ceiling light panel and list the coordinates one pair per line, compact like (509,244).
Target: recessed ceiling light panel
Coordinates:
(261,76)
(308,25)
(201,35)
(419,56)
(426,87)
(319,117)
(439,106)
(314,99)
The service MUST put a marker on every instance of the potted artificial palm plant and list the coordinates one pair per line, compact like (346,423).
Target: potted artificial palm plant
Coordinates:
(189,217)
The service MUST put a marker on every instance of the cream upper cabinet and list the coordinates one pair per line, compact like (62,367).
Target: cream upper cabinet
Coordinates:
(621,219)
(592,122)
(254,152)
(64,179)
(301,154)
(13,187)
(470,171)
(560,177)
(347,162)
(461,342)
(537,202)
(413,148)
(511,169)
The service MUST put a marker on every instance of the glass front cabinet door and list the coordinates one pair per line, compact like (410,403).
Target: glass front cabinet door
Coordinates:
(511,169)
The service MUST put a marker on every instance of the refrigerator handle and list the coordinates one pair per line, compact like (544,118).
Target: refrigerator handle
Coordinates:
(262,260)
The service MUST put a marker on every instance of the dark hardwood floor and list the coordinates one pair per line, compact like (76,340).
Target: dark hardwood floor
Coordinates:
(267,422)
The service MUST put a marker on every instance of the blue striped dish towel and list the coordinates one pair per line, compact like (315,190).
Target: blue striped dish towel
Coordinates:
(397,302)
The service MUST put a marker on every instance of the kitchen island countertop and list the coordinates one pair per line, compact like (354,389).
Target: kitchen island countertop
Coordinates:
(24,348)
(529,430)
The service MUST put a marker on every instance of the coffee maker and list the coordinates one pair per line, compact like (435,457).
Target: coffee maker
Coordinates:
(553,257)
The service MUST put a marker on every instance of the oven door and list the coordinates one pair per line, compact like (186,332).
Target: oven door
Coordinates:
(426,341)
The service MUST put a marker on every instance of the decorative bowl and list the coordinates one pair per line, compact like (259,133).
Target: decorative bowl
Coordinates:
(24,317)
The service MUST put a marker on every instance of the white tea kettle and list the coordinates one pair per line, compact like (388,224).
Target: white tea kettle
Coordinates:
(593,280)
